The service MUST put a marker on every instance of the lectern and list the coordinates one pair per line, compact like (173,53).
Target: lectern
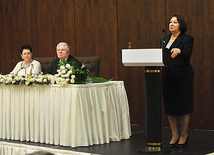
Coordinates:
(152,59)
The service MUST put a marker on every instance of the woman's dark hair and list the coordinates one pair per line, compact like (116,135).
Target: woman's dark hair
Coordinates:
(26,47)
(181,21)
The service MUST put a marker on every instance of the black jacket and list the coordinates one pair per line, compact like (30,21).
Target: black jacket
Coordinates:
(185,43)
(54,64)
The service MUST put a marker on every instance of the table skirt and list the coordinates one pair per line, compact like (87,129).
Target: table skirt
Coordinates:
(71,115)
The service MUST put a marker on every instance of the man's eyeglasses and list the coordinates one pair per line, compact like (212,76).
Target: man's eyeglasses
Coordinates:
(26,53)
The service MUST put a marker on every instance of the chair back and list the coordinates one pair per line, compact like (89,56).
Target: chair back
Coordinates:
(45,63)
(92,64)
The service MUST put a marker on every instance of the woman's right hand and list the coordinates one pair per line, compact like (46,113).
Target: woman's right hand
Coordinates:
(175,52)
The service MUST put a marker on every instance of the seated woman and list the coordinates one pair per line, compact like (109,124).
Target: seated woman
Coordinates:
(25,67)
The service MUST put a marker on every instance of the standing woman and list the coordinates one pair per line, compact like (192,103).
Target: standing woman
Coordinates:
(24,67)
(177,81)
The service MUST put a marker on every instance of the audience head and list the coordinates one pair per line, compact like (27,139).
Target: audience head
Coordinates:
(181,21)
(41,153)
(62,50)
(26,53)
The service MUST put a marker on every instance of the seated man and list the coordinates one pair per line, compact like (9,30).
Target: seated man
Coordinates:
(63,53)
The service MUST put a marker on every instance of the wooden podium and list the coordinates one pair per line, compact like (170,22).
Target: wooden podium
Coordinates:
(152,59)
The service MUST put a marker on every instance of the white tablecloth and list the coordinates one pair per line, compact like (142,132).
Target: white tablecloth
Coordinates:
(72,115)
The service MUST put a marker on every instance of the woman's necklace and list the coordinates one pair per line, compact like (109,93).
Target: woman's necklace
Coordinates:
(172,39)
(27,65)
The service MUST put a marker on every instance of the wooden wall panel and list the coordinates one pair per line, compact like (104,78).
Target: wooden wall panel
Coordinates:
(1,37)
(19,25)
(96,33)
(55,24)
(141,22)
(208,34)
(199,17)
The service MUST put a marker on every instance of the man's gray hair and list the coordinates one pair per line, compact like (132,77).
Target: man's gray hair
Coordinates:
(64,43)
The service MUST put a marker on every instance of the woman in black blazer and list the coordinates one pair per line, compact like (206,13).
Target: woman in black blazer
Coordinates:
(177,81)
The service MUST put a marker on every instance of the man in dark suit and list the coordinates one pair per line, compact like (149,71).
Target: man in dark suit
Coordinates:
(63,53)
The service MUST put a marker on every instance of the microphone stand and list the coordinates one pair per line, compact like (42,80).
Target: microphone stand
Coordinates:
(162,40)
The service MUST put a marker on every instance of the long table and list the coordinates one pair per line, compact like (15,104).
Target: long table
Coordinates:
(71,115)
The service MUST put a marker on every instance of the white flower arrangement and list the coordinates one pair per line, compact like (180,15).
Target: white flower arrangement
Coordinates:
(27,80)
(68,73)
(72,73)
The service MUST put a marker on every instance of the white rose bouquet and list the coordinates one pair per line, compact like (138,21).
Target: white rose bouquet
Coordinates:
(72,73)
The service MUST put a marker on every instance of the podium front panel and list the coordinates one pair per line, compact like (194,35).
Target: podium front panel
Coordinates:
(142,57)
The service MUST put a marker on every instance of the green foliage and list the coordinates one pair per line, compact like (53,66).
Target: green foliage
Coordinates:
(81,73)
(99,80)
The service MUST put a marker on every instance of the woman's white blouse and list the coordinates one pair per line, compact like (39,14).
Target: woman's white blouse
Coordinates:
(168,45)
(20,70)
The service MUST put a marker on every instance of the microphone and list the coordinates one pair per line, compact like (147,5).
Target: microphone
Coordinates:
(8,65)
(162,40)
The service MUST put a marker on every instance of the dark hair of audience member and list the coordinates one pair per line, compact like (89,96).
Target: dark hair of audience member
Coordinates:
(41,153)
